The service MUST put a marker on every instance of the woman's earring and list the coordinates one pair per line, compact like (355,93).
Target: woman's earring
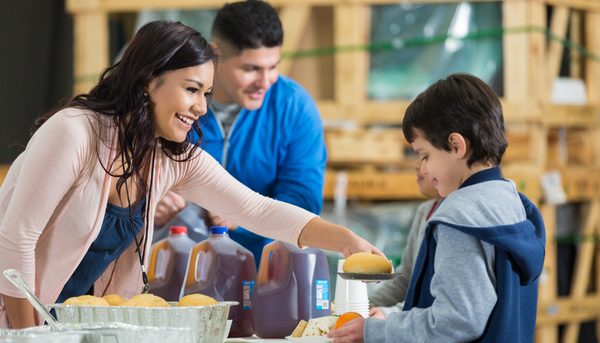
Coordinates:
(145,93)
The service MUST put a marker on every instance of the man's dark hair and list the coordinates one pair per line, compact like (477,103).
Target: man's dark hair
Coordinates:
(463,104)
(248,24)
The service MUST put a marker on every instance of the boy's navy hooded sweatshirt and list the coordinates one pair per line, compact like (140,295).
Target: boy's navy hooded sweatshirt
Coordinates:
(475,278)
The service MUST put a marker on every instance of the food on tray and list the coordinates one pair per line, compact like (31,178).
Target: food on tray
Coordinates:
(114,299)
(315,327)
(366,263)
(86,300)
(197,300)
(299,329)
(146,300)
(346,317)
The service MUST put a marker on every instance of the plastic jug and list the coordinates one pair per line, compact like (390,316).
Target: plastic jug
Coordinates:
(190,217)
(168,263)
(223,269)
(292,284)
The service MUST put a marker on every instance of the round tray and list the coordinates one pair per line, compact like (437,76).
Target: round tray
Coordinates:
(368,277)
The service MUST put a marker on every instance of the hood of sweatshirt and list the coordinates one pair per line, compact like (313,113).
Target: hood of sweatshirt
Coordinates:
(489,208)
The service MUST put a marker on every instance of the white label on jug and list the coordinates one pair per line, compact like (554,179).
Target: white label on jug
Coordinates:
(248,287)
(322,294)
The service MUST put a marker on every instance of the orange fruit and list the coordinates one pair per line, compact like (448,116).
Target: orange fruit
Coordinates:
(346,317)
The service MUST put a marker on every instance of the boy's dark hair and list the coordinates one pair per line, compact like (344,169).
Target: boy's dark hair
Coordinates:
(248,24)
(463,104)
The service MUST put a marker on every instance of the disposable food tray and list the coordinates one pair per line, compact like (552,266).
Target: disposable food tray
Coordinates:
(102,333)
(210,320)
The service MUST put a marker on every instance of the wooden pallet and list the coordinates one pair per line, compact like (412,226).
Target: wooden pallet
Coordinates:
(402,185)
(388,147)
(574,146)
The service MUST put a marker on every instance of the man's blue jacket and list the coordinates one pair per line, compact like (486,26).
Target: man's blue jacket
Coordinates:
(278,151)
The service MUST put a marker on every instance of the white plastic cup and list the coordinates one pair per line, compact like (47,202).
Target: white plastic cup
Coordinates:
(350,290)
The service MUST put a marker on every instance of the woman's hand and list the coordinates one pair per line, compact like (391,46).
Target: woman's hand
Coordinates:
(20,312)
(350,332)
(376,312)
(358,244)
(322,234)
(168,207)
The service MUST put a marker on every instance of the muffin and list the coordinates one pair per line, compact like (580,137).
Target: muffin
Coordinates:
(146,300)
(197,300)
(86,300)
(363,262)
(114,299)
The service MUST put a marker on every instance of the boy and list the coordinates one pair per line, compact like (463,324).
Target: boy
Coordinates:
(390,296)
(475,278)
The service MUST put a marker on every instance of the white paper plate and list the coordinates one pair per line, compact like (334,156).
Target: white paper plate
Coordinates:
(315,339)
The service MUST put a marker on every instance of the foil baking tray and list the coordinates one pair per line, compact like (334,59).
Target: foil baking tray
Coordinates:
(211,320)
(102,333)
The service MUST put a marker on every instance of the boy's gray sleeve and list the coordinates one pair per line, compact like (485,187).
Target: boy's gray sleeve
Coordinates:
(464,291)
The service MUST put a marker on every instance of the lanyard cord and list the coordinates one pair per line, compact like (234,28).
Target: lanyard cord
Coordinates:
(141,255)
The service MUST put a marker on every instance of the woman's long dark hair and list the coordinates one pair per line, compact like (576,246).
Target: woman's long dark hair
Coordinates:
(158,47)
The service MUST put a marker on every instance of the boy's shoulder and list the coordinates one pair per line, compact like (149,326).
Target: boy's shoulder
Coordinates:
(486,204)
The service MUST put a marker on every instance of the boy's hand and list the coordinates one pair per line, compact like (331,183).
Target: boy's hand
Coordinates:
(350,332)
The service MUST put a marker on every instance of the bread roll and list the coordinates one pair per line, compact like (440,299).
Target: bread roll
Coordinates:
(365,263)
(197,300)
(114,300)
(146,300)
(86,300)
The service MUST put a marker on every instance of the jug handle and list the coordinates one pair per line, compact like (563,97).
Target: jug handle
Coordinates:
(264,276)
(152,267)
(270,265)
(192,265)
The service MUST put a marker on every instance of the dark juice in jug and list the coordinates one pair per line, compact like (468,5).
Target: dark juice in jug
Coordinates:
(223,269)
(168,263)
(292,285)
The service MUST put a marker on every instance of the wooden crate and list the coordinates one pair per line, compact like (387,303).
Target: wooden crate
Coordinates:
(573,147)
(572,115)
(402,185)
(374,185)
(373,146)
(526,143)
(383,147)
(580,184)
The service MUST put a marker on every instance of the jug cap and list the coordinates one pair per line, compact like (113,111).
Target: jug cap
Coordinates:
(218,230)
(178,229)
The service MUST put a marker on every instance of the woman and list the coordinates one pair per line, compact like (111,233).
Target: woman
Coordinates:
(76,205)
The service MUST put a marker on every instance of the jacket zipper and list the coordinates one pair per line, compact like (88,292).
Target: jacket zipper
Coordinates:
(225,138)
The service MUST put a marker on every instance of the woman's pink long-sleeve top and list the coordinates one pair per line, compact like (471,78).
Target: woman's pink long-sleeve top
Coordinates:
(53,199)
